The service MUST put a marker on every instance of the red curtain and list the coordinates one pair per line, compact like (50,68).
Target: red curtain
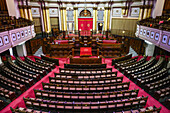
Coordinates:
(85,23)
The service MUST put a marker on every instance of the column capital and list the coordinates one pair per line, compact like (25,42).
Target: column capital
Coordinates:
(63,8)
(75,8)
(106,8)
(94,8)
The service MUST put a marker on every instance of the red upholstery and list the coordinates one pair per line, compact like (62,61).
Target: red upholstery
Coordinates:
(85,51)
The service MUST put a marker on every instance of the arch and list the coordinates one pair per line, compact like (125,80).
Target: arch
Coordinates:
(89,10)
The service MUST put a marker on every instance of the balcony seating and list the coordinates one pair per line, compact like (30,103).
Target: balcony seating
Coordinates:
(160,22)
(114,105)
(67,96)
(29,67)
(84,71)
(86,76)
(73,81)
(22,71)
(12,84)
(7,94)
(9,23)
(37,65)
(121,59)
(81,66)
(45,63)
(162,93)
(16,76)
(86,88)
(49,59)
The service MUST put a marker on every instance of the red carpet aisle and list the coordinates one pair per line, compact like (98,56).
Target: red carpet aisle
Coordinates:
(30,93)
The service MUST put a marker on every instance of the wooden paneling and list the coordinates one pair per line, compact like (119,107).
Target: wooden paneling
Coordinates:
(38,27)
(33,45)
(54,22)
(167,5)
(3,7)
(123,24)
(138,46)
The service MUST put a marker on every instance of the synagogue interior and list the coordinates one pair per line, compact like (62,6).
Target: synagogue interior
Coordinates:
(84,56)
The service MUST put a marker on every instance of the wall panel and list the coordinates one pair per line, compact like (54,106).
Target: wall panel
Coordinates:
(54,22)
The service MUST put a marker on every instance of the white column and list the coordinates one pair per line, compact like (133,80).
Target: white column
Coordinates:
(149,50)
(24,49)
(0,60)
(21,50)
(11,52)
(158,8)
(110,19)
(59,13)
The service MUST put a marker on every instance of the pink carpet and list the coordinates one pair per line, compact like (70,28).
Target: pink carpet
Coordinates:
(30,93)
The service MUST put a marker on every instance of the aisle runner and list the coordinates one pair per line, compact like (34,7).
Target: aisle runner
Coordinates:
(30,93)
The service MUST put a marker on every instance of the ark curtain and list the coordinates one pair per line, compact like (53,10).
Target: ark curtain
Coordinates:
(85,23)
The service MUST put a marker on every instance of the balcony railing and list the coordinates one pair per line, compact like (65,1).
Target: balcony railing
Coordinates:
(14,37)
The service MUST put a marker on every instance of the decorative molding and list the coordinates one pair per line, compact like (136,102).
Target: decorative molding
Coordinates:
(157,37)
(14,37)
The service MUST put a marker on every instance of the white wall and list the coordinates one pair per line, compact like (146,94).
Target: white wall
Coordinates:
(158,8)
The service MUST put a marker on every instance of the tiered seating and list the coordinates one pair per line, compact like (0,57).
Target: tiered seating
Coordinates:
(1,104)
(29,67)
(86,76)
(125,62)
(149,71)
(121,59)
(130,64)
(149,80)
(16,76)
(114,105)
(140,110)
(152,75)
(12,84)
(7,94)
(86,90)
(162,92)
(84,71)
(81,66)
(141,67)
(97,96)
(9,23)
(22,71)
(50,60)
(45,63)
(86,82)
(37,65)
